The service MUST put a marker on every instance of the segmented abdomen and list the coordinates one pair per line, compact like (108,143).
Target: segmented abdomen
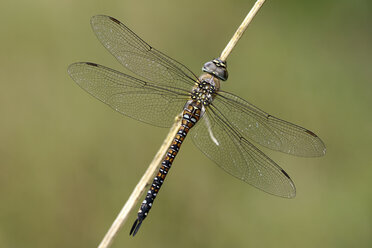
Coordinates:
(190,115)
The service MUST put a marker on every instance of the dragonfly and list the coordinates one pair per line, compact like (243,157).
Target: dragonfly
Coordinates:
(222,125)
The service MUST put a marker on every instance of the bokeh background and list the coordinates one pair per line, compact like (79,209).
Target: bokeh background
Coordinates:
(68,162)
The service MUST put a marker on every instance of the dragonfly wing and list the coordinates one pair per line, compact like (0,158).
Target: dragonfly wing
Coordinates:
(217,139)
(266,129)
(139,57)
(133,97)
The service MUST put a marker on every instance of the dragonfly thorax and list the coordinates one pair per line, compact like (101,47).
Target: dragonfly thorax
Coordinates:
(205,89)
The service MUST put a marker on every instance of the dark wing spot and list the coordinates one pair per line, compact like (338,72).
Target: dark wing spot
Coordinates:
(114,20)
(285,173)
(311,133)
(92,64)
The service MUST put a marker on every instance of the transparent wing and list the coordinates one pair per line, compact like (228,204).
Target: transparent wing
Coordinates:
(128,95)
(218,140)
(139,57)
(266,129)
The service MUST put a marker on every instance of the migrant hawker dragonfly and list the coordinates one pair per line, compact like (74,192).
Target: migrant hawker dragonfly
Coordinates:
(222,124)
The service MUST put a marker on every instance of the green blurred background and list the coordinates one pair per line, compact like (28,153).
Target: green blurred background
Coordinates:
(68,162)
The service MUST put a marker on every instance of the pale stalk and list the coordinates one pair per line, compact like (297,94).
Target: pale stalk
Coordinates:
(239,32)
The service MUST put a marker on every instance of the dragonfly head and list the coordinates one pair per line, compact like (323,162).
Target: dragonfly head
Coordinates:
(216,68)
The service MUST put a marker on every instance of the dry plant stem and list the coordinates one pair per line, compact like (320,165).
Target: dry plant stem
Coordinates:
(141,187)
(153,167)
(239,32)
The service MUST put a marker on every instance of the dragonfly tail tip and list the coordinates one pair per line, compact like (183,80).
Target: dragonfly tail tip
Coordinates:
(136,225)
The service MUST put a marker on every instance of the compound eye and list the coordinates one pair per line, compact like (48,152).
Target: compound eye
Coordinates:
(210,66)
(222,73)
(216,68)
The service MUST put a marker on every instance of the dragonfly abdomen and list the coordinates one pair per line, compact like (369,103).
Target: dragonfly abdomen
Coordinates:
(190,115)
